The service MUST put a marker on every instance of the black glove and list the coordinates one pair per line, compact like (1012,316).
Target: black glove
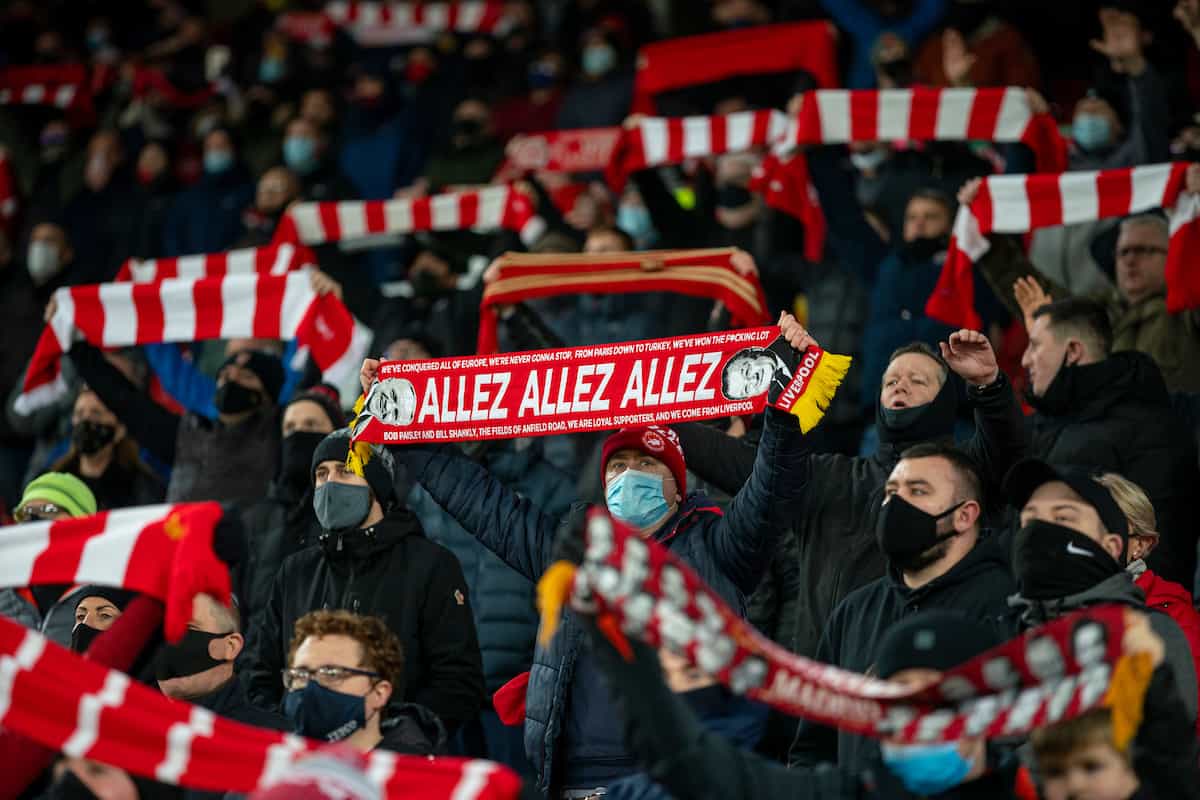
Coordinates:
(787,361)
(229,537)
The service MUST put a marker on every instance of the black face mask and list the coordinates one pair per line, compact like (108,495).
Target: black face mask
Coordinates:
(733,196)
(295,462)
(69,787)
(923,248)
(188,657)
(924,423)
(469,130)
(90,438)
(233,398)
(82,637)
(905,533)
(1053,561)
(426,284)
(899,70)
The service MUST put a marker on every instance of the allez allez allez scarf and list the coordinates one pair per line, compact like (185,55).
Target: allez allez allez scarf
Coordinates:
(601,387)
(1058,671)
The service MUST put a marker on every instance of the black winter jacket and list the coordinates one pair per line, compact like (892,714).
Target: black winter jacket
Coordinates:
(835,518)
(729,551)
(392,571)
(691,762)
(1115,415)
(277,526)
(413,730)
(978,586)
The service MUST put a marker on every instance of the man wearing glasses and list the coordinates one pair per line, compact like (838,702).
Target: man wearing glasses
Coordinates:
(51,609)
(343,669)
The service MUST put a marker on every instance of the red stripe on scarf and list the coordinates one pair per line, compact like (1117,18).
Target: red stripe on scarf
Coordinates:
(693,60)
(64,549)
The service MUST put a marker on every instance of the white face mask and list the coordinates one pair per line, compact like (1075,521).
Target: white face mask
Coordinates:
(868,160)
(42,262)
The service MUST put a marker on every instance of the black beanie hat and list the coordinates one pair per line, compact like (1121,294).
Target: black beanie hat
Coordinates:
(118,597)
(380,471)
(266,366)
(935,639)
(328,398)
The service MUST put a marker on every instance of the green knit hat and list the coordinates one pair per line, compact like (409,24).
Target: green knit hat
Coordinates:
(62,489)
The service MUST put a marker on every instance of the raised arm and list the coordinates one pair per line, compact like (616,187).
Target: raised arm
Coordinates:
(721,460)
(150,424)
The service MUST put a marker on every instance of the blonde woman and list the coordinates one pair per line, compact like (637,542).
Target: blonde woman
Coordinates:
(1161,594)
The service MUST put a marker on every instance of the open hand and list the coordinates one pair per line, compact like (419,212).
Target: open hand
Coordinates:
(1188,14)
(970,355)
(956,58)
(795,334)
(1030,297)
(1122,42)
(743,263)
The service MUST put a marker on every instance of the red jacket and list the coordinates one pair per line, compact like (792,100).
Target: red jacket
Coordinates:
(1175,601)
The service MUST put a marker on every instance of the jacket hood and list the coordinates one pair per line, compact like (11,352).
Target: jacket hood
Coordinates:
(366,543)
(1119,589)
(413,729)
(986,555)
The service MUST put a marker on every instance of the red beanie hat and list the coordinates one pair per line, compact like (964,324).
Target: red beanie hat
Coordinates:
(654,440)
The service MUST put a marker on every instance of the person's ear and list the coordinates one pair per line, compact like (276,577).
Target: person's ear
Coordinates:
(1114,545)
(232,647)
(382,693)
(967,515)
(1075,352)
(121,431)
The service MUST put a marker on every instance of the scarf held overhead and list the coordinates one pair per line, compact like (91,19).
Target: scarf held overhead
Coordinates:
(1024,203)
(260,306)
(602,387)
(694,60)
(165,551)
(67,703)
(638,588)
(699,273)
(487,210)
(273,260)
(380,24)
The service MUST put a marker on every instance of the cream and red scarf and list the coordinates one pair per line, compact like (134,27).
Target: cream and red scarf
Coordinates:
(637,588)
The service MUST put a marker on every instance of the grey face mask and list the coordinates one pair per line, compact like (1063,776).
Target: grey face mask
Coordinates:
(341,506)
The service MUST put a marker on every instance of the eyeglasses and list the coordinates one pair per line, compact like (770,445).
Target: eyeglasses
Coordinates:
(328,676)
(1137,250)
(37,512)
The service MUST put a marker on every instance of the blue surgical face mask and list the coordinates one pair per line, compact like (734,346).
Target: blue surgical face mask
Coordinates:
(300,154)
(927,769)
(637,499)
(598,59)
(1091,131)
(270,70)
(217,161)
(320,713)
(636,221)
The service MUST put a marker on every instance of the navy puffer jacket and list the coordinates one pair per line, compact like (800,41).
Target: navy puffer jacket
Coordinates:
(728,551)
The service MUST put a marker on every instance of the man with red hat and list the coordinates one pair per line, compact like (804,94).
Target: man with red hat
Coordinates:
(572,736)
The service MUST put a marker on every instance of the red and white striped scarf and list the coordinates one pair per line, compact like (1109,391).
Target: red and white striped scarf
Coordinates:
(65,702)
(841,116)
(656,141)
(1023,203)
(260,306)
(273,260)
(64,87)
(164,551)
(490,209)
(386,24)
